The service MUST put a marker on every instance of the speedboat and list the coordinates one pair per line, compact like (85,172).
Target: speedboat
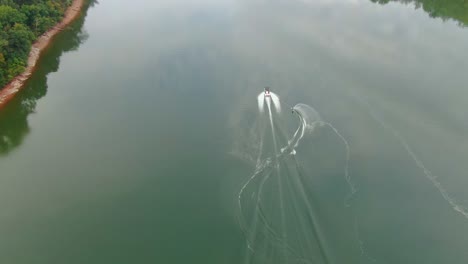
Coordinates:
(266,92)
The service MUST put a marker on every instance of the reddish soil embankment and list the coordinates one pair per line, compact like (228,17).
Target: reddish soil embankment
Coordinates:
(12,88)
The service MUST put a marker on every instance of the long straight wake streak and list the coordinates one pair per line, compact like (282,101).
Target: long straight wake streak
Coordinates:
(277,217)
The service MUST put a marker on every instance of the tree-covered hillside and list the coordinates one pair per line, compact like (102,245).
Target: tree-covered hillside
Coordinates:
(445,9)
(21,22)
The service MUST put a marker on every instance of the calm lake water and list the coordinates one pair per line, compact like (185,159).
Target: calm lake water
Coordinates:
(135,136)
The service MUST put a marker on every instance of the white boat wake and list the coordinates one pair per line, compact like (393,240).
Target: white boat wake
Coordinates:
(417,161)
(276,211)
(266,98)
(277,205)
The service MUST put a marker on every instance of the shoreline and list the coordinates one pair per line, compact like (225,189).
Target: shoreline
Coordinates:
(8,92)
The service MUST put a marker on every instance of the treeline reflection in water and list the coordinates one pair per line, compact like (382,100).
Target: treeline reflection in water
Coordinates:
(449,9)
(14,117)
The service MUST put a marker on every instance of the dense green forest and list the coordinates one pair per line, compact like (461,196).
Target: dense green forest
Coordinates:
(21,22)
(445,9)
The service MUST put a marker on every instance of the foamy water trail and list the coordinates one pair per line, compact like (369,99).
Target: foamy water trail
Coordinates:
(261,101)
(346,170)
(276,102)
(458,208)
(260,169)
(251,236)
(309,119)
(432,178)
(298,135)
(263,98)
(273,133)
(278,219)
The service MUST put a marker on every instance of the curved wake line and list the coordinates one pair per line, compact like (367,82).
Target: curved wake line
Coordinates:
(432,178)
(260,168)
(250,238)
(258,227)
(263,219)
(300,110)
(346,171)
(308,119)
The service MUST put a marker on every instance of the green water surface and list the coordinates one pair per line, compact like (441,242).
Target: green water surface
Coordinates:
(128,143)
